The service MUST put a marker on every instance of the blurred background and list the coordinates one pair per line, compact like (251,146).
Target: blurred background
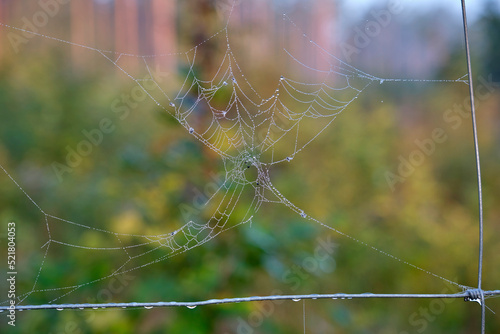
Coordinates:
(395,170)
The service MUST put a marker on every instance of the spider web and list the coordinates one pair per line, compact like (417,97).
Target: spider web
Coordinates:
(249,132)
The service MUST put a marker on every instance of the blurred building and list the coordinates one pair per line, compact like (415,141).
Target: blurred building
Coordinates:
(151,27)
(127,26)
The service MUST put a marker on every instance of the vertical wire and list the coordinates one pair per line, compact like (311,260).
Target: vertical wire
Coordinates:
(483,313)
(476,148)
(304,314)
(478,165)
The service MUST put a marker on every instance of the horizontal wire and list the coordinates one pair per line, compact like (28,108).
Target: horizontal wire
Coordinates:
(246,299)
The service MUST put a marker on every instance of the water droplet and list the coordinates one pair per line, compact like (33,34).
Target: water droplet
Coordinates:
(225,83)
(303,215)
(234,80)
(81,308)
(148,307)
(59,309)
(281,78)
(172,104)
(382,81)
(191,130)
(191,306)
(334,298)
(289,159)
(95,308)
(1,311)
(296,299)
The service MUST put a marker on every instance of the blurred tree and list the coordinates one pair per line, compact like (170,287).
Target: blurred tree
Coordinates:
(491,33)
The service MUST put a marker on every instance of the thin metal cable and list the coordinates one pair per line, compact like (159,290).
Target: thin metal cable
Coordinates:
(304,314)
(483,313)
(476,147)
(341,296)
(478,167)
